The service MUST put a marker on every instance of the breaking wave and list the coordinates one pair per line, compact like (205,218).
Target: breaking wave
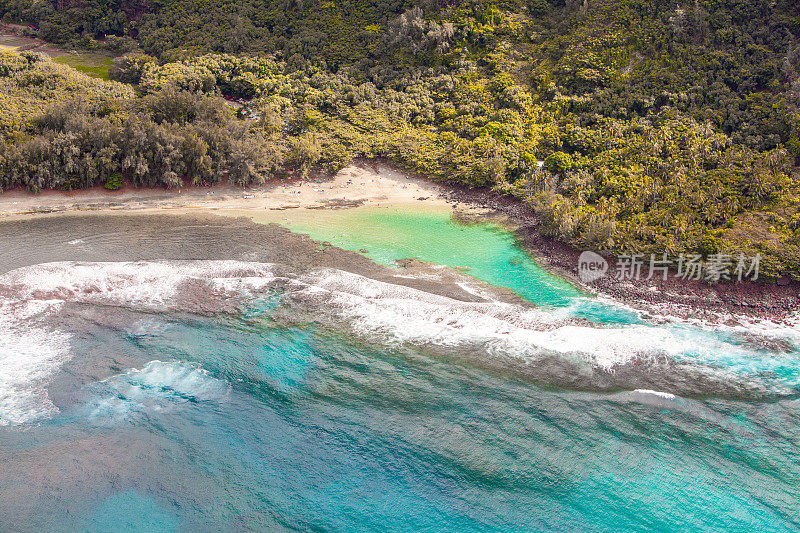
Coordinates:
(551,345)
(557,348)
(33,345)
(29,353)
(405,314)
(158,386)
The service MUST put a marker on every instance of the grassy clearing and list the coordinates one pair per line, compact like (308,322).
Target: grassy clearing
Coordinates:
(92,64)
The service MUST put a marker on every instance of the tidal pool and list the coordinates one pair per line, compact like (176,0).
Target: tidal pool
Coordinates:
(436,234)
(484,250)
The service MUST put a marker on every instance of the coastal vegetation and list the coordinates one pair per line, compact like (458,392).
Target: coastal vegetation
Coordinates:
(92,64)
(627,126)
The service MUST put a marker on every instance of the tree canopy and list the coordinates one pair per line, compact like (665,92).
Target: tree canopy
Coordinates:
(627,125)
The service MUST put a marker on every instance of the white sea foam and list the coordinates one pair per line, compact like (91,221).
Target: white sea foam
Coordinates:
(29,354)
(409,315)
(158,386)
(30,350)
(152,284)
(404,314)
(665,395)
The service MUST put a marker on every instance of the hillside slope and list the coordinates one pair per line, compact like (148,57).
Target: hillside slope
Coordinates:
(663,127)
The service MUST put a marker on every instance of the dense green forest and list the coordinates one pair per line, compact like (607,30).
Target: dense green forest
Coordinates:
(661,126)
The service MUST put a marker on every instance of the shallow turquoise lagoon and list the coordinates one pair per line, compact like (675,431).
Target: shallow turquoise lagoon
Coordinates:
(486,250)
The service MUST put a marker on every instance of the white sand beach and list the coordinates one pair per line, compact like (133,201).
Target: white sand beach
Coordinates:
(357,184)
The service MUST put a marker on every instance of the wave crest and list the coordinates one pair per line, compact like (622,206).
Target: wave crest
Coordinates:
(564,349)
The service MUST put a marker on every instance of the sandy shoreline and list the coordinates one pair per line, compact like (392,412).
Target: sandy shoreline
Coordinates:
(355,185)
(374,184)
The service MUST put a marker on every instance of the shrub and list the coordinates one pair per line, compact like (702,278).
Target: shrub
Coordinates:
(558,162)
(114,182)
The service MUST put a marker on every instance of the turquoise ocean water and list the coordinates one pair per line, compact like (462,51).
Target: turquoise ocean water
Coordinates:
(125,408)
